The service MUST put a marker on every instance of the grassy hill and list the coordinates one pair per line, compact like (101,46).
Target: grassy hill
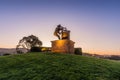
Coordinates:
(38,66)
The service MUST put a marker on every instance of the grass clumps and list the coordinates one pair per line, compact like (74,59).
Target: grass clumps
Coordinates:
(42,66)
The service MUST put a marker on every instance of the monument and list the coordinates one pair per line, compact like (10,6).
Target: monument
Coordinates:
(64,44)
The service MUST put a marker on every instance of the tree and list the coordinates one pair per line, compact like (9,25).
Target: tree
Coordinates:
(28,43)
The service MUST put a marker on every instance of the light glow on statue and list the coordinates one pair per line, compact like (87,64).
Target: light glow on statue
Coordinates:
(64,44)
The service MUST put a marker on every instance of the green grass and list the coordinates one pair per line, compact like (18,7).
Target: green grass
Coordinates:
(39,66)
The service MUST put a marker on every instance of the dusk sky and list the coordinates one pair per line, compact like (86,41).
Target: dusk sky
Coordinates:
(94,24)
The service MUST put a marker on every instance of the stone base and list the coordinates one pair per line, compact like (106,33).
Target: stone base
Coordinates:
(63,46)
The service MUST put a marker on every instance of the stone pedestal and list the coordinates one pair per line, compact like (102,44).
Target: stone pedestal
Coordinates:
(63,46)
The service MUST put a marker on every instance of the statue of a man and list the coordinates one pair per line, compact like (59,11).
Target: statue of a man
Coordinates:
(58,31)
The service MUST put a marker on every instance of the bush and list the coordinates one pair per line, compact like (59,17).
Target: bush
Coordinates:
(35,49)
(6,54)
(114,57)
(78,51)
(45,49)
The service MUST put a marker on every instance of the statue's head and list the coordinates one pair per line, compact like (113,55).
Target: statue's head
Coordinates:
(59,25)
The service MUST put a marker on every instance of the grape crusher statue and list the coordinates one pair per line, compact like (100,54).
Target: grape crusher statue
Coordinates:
(62,32)
(64,44)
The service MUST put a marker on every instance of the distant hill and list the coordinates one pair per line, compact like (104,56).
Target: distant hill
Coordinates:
(4,51)
(7,51)
(49,66)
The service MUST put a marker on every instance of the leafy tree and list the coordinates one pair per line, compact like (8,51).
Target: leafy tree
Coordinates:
(28,43)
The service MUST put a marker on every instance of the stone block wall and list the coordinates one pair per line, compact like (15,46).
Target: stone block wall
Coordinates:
(63,46)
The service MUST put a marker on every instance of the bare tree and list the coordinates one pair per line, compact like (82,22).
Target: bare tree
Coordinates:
(28,43)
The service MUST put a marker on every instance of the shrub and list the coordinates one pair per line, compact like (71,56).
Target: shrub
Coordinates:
(78,51)
(46,49)
(6,54)
(35,49)
(114,57)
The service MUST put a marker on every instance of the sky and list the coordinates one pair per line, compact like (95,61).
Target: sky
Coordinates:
(94,24)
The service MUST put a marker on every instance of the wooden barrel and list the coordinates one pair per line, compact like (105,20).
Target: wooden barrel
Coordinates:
(66,35)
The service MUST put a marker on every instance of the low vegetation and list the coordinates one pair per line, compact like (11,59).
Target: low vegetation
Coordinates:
(50,66)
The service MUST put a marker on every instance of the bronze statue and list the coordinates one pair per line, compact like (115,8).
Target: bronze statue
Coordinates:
(62,32)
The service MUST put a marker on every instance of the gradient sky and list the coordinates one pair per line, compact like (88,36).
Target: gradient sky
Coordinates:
(94,24)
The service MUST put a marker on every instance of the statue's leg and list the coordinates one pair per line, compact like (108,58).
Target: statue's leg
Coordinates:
(58,36)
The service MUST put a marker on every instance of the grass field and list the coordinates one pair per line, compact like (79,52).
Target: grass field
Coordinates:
(49,66)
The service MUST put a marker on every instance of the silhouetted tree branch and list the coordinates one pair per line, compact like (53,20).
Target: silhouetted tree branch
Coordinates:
(28,43)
